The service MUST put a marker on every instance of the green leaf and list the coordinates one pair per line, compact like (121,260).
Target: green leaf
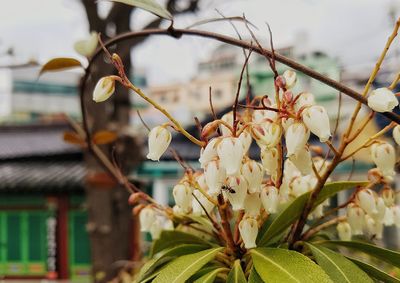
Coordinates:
(236,275)
(278,265)
(293,211)
(375,272)
(254,277)
(180,269)
(170,253)
(58,64)
(386,255)
(210,276)
(148,5)
(338,267)
(170,239)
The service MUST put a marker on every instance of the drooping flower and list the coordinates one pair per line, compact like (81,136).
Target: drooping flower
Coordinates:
(388,196)
(269,158)
(198,208)
(183,196)
(302,161)
(367,201)
(104,88)
(373,227)
(259,116)
(159,140)
(230,152)
(388,219)
(300,185)
(252,204)
(253,173)
(146,217)
(382,100)
(384,156)
(245,138)
(266,134)
(305,99)
(290,78)
(317,121)
(86,47)
(355,217)
(381,210)
(236,192)
(215,176)
(248,229)
(344,231)
(396,134)
(270,198)
(209,152)
(296,137)
(228,118)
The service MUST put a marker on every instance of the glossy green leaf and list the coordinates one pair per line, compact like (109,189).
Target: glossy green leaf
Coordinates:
(170,253)
(338,267)
(210,276)
(254,277)
(293,211)
(375,272)
(236,274)
(170,239)
(386,255)
(148,5)
(182,268)
(278,265)
(59,64)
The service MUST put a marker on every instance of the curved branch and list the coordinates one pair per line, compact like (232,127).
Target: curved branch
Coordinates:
(177,33)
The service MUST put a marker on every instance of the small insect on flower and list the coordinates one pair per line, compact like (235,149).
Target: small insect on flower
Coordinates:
(228,189)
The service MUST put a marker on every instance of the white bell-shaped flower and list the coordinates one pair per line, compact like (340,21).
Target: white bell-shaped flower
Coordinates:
(215,176)
(355,217)
(253,173)
(317,121)
(296,137)
(269,158)
(302,161)
(384,156)
(246,139)
(248,229)
(305,99)
(159,140)
(290,78)
(146,217)
(86,47)
(156,229)
(266,134)
(228,118)
(260,116)
(287,122)
(382,100)
(388,219)
(201,180)
(252,205)
(299,186)
(236,191)
(230,153)
(367,201)
(183,197)
(177,210)
(373,227)
(381,208)
(209,152)
(396,134)
(388,196)
(396,215)
(318,212)
(290,170)
(104,88)
(198,208)
(344,231)
(270,198)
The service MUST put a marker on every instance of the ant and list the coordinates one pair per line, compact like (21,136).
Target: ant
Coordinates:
(228,189)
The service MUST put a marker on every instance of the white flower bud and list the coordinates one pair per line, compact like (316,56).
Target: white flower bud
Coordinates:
(209,152)
(230,152)
(355,217)
(344,231)
(197,208)
(183,197)
(305,99)
(159,140)
(382,100)
(215,176)
(104,88)
(86,47)
(302,161)
(321,164)
(260,116)
(317,121)
(317,212)
(300,185)
(388,196)
(146,217)
(236,192)
(388,220)
(248,229)
(252,204)
(177,210)
(384,156)
(228,118)
(253,173)
(373,227)
(381,208)
(266,134)
(290,78)
(296,137)
(245,138)
(290,170)
(396,134)
(396,215)
(367,201)
(270,198)
(156,228)
(201,181)
(269,158)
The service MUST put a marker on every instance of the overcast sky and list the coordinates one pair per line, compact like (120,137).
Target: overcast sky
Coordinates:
(352,30)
